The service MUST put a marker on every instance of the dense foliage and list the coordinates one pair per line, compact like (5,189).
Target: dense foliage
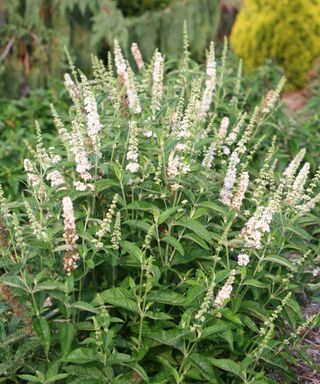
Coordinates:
(137,7)
(147,246)
(33,34)
(285,31)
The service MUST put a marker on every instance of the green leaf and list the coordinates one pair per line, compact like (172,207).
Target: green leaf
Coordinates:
(197,228)
(221,326)
(103,184)
(227,365)
(279,260)
(202,364)
(86,372)
(249,323)
(166,214)
(83,306)
(167,366)
(117,297)
(133,250)
(59,376)
(80,356)
(14,282)
(173,337)
(255,309)
(228,337)
(142,373)
(193,293)
(158,315)
(33,379)
(174,242)
(294,305)
(256,283)
(196,239)
(141,224)
(213,206)
(300,232)
(42,328)
(66,338)
(49,285)
(230,315)
(166,297)
(143,206)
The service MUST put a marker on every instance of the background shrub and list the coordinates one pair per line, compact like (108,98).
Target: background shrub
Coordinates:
(33,34)
(284,31)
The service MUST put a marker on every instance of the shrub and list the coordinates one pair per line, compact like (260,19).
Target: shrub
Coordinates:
(285,31)
(162,29)
(147,247)
(33,34)
(137,7)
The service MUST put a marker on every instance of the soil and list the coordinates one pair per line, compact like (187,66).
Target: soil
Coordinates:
(311,345)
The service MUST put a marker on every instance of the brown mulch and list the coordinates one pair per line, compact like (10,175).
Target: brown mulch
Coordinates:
(296,100)
(311,345)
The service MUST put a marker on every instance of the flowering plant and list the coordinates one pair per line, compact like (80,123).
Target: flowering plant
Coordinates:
(147,246)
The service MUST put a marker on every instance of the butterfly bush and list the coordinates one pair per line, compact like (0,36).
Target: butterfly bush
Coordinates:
(148,247)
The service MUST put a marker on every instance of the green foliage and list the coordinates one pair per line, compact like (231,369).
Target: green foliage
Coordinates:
(137,7)
(163,29)
(33,34)
(17,122)
(285,31)
(119,261)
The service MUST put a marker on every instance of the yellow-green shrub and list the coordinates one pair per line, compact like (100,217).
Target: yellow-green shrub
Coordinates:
(287,31)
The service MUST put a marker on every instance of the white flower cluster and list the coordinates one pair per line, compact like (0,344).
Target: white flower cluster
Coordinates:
(209,156)
(257,226)
(70,234)
(272,97)
(241,145)
(37,228)
(232,137)
(316,272)
(210,83)
(116,235)
(185,127)
(308,206)
(106,223)
(230,179)
(200,316)
(80,186)
(157,86)
(223,129)
(259,223)
(48,160)
(71,87)
(55,178)
(133,151)
(173,165)
(225,292)
(243,259)
(176,166)
(137,56)
(54,158)
(127,78)
(93,120)
(133,98)
(293,166)
(296,192)
(240,191)
(62,131)
(71,256)
(33,178)
(77,147)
